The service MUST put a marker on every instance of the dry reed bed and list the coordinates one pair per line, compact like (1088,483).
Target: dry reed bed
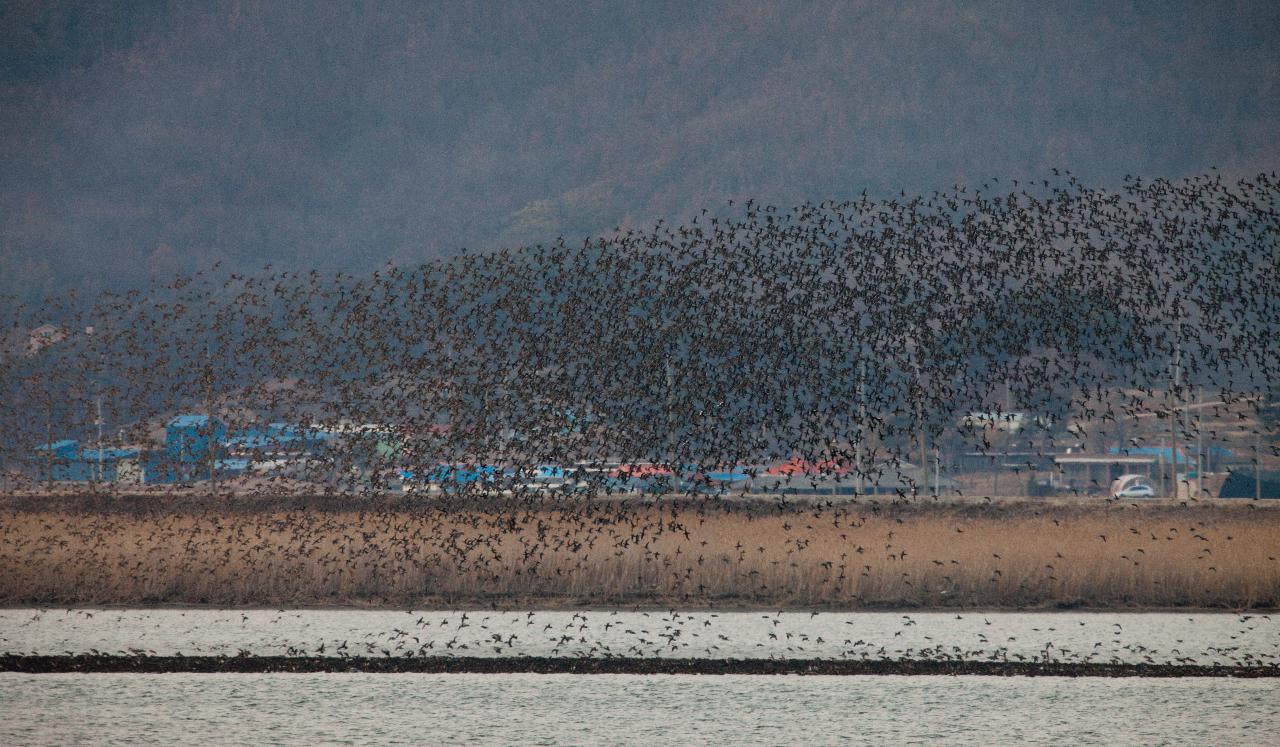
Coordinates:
(852,556)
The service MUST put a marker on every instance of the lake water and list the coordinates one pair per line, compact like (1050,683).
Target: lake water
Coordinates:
(239,709)
(254,709)
(1160,638)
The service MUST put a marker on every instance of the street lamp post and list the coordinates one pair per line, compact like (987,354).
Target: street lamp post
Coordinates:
(97,476)
(99,422)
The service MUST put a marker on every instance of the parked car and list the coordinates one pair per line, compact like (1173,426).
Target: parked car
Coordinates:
(1137,491)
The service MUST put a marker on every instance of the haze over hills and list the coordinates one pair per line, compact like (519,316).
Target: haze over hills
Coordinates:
(143,139)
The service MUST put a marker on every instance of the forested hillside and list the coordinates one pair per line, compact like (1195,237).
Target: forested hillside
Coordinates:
(141,139)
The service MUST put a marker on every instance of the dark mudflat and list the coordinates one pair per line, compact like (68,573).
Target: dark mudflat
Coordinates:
(90,663)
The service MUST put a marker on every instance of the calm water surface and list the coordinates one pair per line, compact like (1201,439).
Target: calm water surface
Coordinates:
(311,709)
(239,709)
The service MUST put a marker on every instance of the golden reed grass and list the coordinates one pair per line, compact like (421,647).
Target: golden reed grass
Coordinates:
(651,555)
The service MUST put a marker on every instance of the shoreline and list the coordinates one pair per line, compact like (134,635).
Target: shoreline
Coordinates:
(683,606)
(107,664)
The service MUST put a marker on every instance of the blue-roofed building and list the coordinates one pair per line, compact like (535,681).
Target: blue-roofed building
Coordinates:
(66,448)
(284,430)
(1214,456)
(249,441)
(109,454)
(188,438)
(159,469)
(232,467)
(59,461)
(1248,483)
(276,440)
(453,476)
(115,465)
(273,446)
(70,463)
(727,478)
(1162,454)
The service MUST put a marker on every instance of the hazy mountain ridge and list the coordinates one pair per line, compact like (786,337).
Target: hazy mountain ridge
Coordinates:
(143,143)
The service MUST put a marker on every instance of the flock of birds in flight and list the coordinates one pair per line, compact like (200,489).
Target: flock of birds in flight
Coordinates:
(1247,640)
(842,336)
(845,335)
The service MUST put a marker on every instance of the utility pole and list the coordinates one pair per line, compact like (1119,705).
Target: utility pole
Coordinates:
(1200,443)
(97,477)
(1160,471)
(937,468)
(1173,421)
(211,444)
(1257,462)
(1186,432)
(862,420)
(924,463)
(48,444)
(1003,416)
(671,414)
(99,422)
